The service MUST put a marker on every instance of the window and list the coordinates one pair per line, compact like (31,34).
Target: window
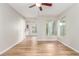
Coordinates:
(51,28)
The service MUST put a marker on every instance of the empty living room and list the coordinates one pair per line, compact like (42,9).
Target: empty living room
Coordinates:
(39,29)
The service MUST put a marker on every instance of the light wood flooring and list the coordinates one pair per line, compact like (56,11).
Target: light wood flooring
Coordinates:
(41,48)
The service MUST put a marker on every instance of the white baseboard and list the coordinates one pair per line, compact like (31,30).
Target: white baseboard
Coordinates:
(46,38)
(10,47)
(69,46)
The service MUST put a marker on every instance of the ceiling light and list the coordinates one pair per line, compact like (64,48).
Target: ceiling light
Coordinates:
(38,4)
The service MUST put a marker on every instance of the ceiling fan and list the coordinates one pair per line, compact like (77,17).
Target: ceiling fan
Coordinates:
(39,5)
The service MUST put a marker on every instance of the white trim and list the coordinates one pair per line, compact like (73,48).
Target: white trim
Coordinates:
(11,46)
(69,46)
(47,38)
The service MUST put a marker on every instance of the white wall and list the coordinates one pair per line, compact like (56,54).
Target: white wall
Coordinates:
(11,27)
(72,28)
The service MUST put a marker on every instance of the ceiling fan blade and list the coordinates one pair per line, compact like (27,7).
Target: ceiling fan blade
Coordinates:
(47,4)
(32,6)
(40,8)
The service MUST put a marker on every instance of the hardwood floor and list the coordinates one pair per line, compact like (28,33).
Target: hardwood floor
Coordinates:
(41,48)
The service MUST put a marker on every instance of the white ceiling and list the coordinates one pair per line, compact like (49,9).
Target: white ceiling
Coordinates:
(23,9)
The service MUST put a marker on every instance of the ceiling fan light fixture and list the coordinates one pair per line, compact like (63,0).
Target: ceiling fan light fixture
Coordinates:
(38,4)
